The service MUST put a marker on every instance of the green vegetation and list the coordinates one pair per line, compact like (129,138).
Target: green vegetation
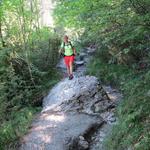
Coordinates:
(28,55)
(133,128)
(120,30)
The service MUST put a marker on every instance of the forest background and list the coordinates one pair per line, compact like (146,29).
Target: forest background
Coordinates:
(119,29)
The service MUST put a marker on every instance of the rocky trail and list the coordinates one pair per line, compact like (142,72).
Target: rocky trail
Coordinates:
(77,114)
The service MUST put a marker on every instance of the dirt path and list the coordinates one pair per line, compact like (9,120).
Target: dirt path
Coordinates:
(76,114)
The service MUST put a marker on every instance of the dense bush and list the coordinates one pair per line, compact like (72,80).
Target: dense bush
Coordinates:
(19,94)
(28,56)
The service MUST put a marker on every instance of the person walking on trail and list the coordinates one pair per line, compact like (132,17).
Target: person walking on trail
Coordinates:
(69,52)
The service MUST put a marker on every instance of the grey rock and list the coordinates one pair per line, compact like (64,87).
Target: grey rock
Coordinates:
(101,106)
(61,65)
(82,143)
(55,131)
(109,117)
(67,90)
(60,119)
(82,56)
(91,50)
(79,63)
(98,109)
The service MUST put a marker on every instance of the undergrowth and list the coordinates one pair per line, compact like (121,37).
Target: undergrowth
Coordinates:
(22,88)
(133,129)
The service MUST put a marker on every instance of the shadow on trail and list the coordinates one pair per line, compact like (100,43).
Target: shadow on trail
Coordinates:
(72,113)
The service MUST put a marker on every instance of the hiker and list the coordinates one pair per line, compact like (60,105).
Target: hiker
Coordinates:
(69,52)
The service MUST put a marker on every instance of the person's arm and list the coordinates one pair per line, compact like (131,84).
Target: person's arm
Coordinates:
(74,51)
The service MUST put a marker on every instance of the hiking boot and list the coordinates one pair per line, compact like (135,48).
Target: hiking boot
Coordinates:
(71,77)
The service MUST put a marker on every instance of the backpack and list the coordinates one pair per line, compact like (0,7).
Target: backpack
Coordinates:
(64,48)
(69,44)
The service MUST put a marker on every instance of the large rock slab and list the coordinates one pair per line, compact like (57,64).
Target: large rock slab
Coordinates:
(82,94)
(70,89)
(66,116)
(70,114)
(58,131)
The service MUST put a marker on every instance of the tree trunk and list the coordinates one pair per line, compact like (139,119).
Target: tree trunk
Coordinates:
(1,34)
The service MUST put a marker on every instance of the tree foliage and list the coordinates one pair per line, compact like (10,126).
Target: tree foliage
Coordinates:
(121,27)
(28,55)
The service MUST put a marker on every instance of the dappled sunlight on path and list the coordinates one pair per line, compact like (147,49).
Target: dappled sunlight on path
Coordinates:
(72,112)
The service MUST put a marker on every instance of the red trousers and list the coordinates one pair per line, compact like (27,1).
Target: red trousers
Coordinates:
(68,59)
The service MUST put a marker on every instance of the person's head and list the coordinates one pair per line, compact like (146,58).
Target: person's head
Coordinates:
(66,38)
